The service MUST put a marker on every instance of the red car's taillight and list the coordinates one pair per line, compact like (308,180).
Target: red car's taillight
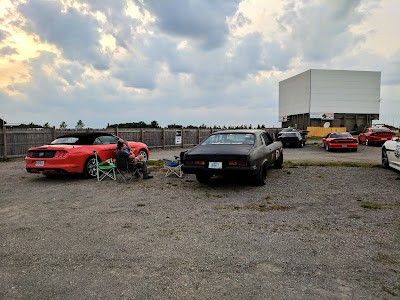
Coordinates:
(60,154)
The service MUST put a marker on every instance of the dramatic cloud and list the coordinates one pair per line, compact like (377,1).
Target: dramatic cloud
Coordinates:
(76,34)
(185,62)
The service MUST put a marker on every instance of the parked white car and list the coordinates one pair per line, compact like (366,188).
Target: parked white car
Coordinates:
(391,154)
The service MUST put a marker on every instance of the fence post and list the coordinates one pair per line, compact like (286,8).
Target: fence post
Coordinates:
(4,142)
(198,135)
(53,133)
(183,138)
(142,135)
(163,137)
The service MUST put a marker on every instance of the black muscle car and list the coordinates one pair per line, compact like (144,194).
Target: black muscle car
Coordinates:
(293,138)
(245,153)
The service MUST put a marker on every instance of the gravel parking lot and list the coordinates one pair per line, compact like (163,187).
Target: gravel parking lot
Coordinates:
(310,233)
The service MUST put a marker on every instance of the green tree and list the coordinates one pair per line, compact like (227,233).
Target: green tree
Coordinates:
(46,125)
(174,126)
(79,125)
(63,125)
(154,124)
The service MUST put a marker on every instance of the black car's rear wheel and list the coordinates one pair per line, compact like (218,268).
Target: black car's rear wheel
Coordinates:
(203,178)
(385,160)
(261,177)
(90,168)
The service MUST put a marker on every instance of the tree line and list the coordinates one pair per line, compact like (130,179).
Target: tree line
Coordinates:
(153,124)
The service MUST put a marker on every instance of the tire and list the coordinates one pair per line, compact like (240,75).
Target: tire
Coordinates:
(385,160)
(90,169)
(301,145)
(278,164)
(327,147)
(367,142)
(261,177)
(203,178)
(144,153)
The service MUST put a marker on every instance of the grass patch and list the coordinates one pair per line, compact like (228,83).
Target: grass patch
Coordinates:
(262,207)
(372,205)
(290,164)
(388,259)
(355,217)
(209,195)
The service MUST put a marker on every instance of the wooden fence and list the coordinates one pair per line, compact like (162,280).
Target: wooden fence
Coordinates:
(322,131)
(15,142)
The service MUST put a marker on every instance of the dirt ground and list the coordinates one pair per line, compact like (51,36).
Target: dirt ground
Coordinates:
(309,233)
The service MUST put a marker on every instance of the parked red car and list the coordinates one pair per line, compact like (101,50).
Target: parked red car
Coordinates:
(73,153)
(340,140)
(375,135)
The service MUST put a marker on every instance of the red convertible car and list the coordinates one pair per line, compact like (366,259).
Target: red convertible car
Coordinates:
(375,135)
(340,140)
(73,153)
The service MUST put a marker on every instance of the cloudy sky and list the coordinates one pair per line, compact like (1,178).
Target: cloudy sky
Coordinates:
(187,62)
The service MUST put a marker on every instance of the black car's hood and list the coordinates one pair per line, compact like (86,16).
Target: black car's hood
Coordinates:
(220,150)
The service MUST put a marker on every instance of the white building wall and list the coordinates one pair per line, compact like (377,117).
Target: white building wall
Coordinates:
(294,95)
(338,91)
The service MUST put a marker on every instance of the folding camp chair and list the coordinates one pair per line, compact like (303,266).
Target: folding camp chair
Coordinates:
(104,169)
(173,166)
(125,171)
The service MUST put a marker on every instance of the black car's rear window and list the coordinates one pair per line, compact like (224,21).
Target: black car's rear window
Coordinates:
(230,139)
(290,134)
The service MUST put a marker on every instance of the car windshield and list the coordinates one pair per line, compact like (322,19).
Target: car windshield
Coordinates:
(230,139)
(68,140)
(341,135)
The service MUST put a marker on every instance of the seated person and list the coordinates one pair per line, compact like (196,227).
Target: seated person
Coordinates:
(134,161)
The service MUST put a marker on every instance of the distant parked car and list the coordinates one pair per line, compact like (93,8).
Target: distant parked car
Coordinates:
(391,153)
(375,135)
(340,140)
(292,138)
(239,153)
(73,153)
(291,129)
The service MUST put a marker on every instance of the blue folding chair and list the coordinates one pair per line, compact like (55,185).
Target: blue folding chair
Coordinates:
(173,166)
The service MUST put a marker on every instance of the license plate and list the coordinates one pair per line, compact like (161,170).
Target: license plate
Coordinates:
(215,165)
(39,163)
(383,139)
(344,146)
